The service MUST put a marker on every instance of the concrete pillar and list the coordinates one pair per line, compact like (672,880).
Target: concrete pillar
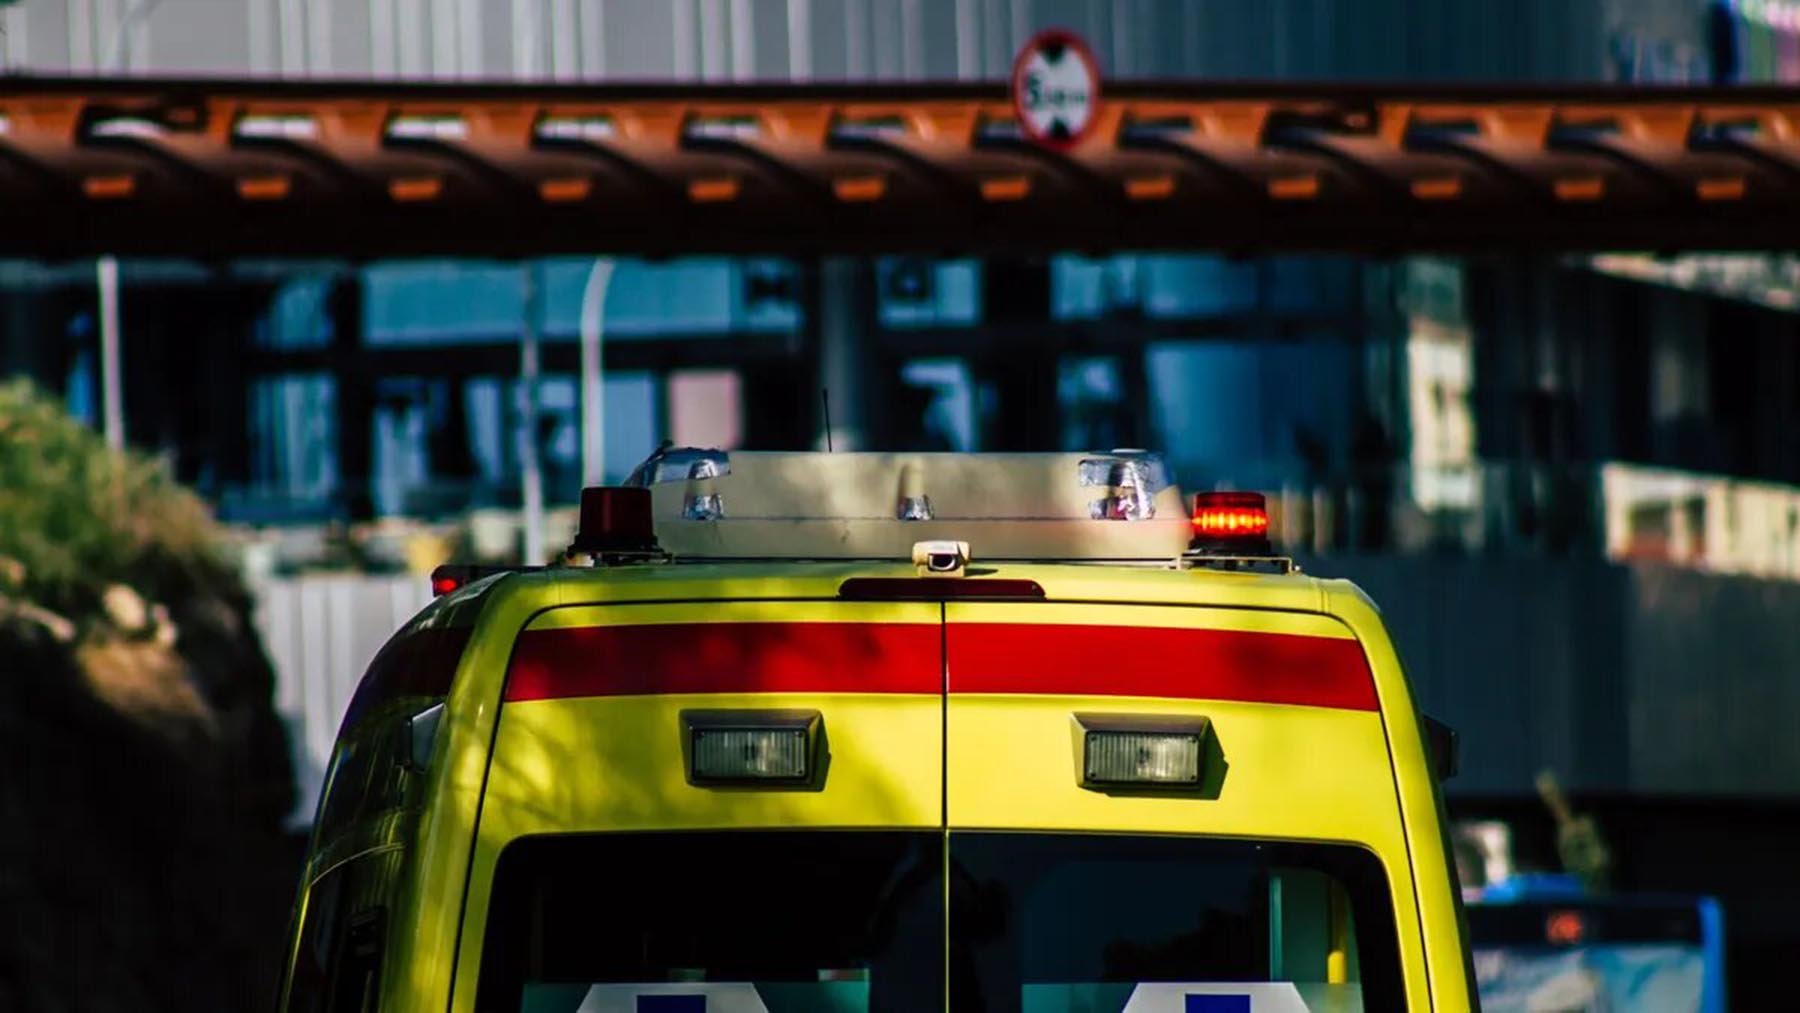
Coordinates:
(844,313)
(355,390)
(112,375)
(531,472)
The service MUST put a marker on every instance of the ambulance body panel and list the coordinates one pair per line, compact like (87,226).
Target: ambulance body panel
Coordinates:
(951,800)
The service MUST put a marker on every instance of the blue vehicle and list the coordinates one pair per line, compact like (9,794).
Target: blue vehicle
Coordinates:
(1541,943)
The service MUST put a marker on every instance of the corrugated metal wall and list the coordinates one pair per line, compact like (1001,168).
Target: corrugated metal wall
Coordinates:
(1713,697)
(321,632)
(1648,680)
(823,39)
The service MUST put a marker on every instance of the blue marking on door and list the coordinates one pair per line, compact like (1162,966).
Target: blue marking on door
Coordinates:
(1217,1004)
(687,1004)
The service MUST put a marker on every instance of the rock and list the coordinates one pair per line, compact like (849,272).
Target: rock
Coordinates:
(144,773)
(58,628)
(125,609)
(143,865)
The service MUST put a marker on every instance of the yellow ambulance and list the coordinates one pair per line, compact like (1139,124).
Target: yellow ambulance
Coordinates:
(895,732)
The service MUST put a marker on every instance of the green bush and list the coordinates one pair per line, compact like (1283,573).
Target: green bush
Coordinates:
(78,517)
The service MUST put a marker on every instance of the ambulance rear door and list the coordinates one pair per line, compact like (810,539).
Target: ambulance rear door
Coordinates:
(1170,808)
(647,841)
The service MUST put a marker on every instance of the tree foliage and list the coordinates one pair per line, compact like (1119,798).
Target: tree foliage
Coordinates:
(77,517)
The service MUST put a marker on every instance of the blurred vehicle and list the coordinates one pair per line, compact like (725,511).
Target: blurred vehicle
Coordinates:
(1549,946)
(1565,943)
(887,732)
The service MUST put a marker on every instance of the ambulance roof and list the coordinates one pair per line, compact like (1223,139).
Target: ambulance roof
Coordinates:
(1067,581)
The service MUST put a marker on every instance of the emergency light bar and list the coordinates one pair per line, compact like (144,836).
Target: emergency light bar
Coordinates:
(1115,506)
(1112,505)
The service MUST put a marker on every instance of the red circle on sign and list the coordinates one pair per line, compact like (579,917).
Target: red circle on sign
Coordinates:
(1074,43)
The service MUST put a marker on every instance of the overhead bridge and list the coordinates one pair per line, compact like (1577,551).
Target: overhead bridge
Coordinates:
(245,168)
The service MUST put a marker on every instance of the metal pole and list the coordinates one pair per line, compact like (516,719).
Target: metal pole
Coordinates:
(119,57)
(106,269)
(843,297)
(112,394)
(531,475)
(593,386)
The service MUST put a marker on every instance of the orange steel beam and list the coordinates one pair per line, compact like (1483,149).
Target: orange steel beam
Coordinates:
(232,168)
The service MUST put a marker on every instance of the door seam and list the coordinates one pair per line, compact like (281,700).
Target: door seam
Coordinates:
(944,779)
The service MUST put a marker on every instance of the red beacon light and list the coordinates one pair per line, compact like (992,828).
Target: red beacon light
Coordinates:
(615,527)
(615,522)
(1231,524)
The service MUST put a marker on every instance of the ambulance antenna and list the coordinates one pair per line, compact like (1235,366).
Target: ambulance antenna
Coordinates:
(825,396)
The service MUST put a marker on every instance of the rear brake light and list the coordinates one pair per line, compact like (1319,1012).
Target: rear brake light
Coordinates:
(750,747)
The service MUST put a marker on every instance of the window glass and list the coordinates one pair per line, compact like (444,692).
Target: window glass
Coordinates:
(343,938)
(835,921)
(1056,924)
(848,921)
(310,982)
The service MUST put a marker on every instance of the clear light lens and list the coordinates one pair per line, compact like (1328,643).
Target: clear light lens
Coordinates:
(1125,467)
(914,508)
(277,127)
(723,128)
(428,128)
(751,754)
(128,126)
(678,464)
(705,506)
(576,128)
(1130,757)
(1131,504)
(870,129)
(1135,478)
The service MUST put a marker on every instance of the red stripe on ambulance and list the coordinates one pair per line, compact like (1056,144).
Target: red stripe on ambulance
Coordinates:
(726,658)
(1159,661)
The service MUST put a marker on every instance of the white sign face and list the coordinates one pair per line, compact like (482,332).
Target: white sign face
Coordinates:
(1056,88)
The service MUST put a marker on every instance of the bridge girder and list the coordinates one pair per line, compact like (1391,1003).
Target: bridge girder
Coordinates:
(250,168)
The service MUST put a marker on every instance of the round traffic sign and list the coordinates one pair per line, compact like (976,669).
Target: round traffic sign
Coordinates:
(1056,88)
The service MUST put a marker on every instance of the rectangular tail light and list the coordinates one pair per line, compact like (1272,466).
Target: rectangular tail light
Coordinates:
(773,748)
(1124,751)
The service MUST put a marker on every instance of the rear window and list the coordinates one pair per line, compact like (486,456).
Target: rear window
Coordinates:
(748,920)
(1060,923)
(854,921)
